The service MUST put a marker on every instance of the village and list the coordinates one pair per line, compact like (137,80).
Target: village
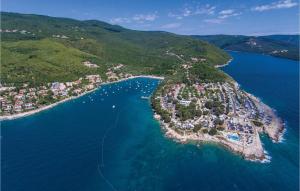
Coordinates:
(17,100)
(217,112)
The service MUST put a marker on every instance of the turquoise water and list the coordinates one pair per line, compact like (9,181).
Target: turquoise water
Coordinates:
(110,141)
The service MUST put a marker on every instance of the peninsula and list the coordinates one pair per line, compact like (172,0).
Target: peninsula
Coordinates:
(216,112)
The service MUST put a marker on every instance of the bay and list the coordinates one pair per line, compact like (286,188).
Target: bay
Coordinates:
(108,140)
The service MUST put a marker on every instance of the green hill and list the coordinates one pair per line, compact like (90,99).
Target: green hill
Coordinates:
(286,46)
(42,61)
(291,39)
(39,49)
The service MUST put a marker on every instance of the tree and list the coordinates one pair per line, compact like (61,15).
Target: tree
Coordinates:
(209,105)
(218,121)
(172,125)
(212,131)
(197,127)
(166,117)
(205,112)
(205,131)
(198,113)
(257,123)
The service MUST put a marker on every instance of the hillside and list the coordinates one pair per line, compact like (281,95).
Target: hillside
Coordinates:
(286,46)
(42,60)
(39,49)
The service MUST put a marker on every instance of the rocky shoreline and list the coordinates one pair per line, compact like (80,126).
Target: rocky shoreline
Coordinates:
(276,128)
(253,152)
(257,153)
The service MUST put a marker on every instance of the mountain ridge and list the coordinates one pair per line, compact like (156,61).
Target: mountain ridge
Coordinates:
(285,46)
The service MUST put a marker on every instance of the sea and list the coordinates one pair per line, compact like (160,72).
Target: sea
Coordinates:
(108,140)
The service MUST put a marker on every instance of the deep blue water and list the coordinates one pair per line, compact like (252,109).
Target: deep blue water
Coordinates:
(88,145)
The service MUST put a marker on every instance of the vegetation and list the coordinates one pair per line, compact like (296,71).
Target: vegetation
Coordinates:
(218,121)
(39,49)
(197,128)
(260,44)
(202,72)
(52,49)
(220,128)
(165,115)
(41,61)
(186,112)
(46,100)
(216,107)
(212,131)
(257,123)
(205,131)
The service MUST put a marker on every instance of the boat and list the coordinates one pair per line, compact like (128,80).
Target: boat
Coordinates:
(145,97)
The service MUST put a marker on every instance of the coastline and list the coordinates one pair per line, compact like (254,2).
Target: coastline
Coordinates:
(134,77)
(43,108)
(28,113)
(276,129)
(223,65)
(255,153)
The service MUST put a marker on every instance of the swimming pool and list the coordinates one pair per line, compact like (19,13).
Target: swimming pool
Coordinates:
(233,137)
